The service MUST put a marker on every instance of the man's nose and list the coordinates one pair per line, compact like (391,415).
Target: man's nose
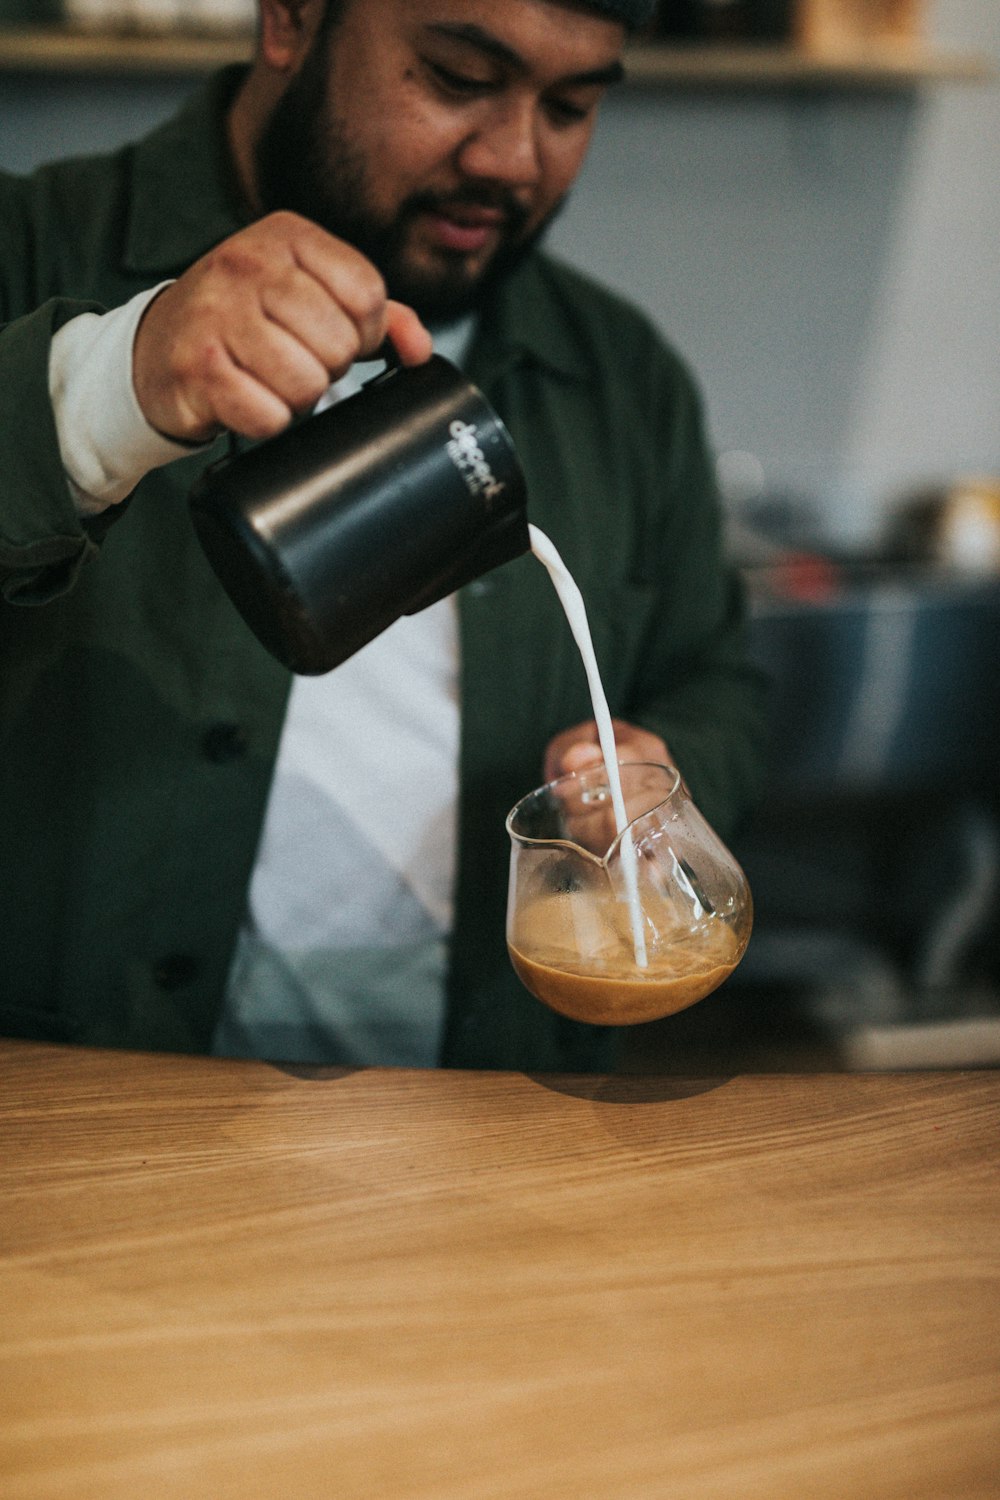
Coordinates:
(505,146)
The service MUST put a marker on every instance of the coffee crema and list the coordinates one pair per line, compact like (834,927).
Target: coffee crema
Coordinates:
(607,988)
(609,1000)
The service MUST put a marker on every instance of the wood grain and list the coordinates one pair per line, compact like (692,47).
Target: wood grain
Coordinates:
(229,1280)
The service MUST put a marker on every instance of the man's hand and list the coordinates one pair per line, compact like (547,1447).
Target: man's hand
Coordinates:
(578,748)
(258,328)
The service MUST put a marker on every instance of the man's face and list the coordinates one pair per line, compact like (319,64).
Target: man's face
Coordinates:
(440,136)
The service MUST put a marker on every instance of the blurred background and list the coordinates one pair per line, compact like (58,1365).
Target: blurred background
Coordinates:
(805,196)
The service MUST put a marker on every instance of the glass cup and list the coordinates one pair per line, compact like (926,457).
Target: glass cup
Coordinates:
(616,928)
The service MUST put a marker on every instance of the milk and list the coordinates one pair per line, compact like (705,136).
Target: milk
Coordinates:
(576,615)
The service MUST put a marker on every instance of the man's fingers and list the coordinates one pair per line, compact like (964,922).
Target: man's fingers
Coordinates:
(407,334)
(238,403)
(259,327)
(303,309)
(578,748)
(581,756)
(279,361)
(558,748)
(344,274)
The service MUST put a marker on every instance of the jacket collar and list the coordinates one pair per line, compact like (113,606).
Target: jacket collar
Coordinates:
(184,193)
(185,199)
(525,323)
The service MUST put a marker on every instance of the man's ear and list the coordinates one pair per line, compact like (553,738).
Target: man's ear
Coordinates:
(287,28)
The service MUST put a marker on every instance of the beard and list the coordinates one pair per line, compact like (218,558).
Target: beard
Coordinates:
(305,163)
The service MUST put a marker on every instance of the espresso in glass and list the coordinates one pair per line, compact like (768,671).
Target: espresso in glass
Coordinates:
(623,905)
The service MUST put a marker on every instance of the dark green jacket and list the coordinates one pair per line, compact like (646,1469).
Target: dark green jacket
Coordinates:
(139,719)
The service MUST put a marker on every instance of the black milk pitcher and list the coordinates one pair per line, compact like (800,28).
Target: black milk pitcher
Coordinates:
(375,508)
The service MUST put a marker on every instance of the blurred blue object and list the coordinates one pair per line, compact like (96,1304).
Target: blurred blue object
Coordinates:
(886,679)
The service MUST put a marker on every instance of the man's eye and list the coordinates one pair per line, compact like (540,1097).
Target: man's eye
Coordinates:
(566,112)
(463,84)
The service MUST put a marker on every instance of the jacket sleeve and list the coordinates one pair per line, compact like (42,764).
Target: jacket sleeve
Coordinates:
(694,684)
(43,541)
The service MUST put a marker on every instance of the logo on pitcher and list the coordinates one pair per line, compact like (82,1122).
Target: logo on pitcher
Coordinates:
(470,461)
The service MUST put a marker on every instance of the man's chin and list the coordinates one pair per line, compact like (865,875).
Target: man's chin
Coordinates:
(454,286)
(442,297)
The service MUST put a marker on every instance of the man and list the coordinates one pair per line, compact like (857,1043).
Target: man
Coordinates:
(197,853)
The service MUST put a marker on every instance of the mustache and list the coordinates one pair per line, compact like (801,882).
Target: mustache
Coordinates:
(496,199)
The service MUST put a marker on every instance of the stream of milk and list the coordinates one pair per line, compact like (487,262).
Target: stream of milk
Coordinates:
(576,614)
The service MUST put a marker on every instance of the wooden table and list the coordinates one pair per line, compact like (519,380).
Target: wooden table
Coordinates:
(225,1281)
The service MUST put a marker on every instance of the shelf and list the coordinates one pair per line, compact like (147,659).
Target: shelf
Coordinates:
(765,67)
(37,49)
(59,50)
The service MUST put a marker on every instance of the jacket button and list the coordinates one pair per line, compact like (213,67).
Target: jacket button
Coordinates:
(174,970)
(223,742)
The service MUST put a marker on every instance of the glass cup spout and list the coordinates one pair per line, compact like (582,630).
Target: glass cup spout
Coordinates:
(620,927)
